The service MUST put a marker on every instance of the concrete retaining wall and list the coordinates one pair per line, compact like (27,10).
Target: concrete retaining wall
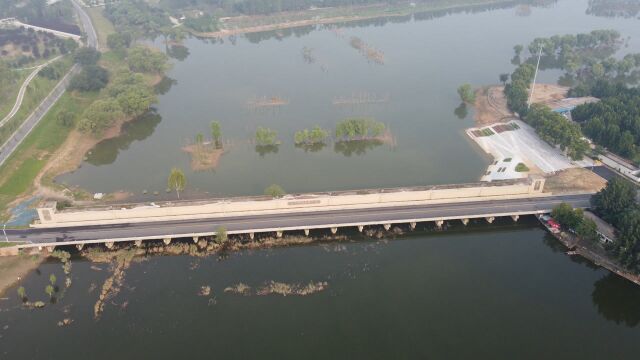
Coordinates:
(49,217)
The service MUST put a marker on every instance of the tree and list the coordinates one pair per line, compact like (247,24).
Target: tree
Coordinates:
(221,235)
(177,181)
(22,293)
(518,49)
(119,40)
(49,290)
(91,78)
(216,133)
(274,191)
(504,78)
(100,115)
(65,118)
(265,137)
(199,139)
(617,198)
(567,216)
(587,229)
(52,279)
(86,56)
(144,60)
(466,93)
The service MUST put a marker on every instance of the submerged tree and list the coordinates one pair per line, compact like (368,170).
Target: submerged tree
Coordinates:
(52,279)
(466,93)
(22,293)
(266,137)
(216,133)
(49,290)
(177,181)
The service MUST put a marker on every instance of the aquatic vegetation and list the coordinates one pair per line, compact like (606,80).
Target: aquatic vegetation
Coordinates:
(285,289)
(239,288)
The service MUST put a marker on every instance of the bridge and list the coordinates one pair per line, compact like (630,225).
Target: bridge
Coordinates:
(13,22)
(302,213)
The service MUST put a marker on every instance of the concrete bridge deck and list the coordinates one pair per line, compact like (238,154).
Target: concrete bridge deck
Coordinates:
(278,223)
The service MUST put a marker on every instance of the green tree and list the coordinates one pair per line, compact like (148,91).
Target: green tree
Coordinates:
(274,191)
(99,116)
(266,137)
(22,293)
(177,181)
(221,235)
(466,93)
(91,78)
(86,56)
(65,118)
(52,279)
(199,139)
(119,40)
(617,198)
(518,49)
(49,290)
(216,133)
(145,60)
(567,216)
(587,229)
(504,78)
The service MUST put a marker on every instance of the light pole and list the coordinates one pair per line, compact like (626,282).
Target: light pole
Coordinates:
(535,76)
(4,231)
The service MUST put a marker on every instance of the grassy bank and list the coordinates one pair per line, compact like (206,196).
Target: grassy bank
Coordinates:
(102,25)
(37,90)
(9,94)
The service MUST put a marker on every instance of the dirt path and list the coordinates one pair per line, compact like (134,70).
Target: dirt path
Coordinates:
(574,179)
(491,106)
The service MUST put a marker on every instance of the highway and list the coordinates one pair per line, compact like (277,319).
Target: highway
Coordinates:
(293,221)
(36,116)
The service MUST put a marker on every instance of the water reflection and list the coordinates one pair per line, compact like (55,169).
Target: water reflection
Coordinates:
(461,111)
(164,85)
(311,148)
(614,8)
(178,52)
(266,149)
(360,147)
(106,152)
(617,300)
(279,34)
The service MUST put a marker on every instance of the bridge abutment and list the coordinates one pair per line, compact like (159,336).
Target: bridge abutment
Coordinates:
(490,219)
(465,222)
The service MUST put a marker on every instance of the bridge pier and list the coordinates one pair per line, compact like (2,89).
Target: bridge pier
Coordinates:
(490,219)
(334,230)
(465,221)
(80,247)
(109,245)
(138,243)
(387,226)
(195,239)
(51,248)
(515,217)
(278,234)
(360,228)
(251,235)
(166,241)
(412,225)
(439,223)
(306,232)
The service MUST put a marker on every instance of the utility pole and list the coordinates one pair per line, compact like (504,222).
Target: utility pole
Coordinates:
(4,231)
(533,85)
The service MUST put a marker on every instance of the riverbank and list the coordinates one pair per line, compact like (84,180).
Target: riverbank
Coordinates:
(15,268)
(333,15)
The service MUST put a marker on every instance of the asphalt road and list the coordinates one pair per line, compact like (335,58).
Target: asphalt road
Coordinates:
(36,116)
(284,221)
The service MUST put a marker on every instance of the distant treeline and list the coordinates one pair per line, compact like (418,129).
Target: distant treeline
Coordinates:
(58,16)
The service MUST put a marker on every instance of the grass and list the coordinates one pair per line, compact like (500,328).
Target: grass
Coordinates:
(7,244)
(19,171)
(103,26)
(8,95)
(521,167)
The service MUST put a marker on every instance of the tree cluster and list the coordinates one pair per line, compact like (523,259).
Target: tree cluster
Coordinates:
(119,40)
(616,204)
(614,122)
(574,220)
(358,129)
(317,135)
(517,91)
(137,16)
(466,93)
(266,137)
(33,45)
(144,60)
(90,78)
(556,130)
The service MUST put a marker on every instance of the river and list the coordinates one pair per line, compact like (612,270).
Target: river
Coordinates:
(505,291)
(425,61)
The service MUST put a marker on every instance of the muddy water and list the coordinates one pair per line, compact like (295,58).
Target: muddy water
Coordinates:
(506,291)
(426,59)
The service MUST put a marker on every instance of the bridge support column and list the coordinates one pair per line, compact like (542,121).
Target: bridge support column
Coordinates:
(109,245)
(464,221)
(252,235)
(334,230)
(306,232)
(166,241)
(515,217)
(50,248)
(195,239)
(439,223)
(387,226)
(80,247)
(360,228)
(412,225)
(490,219)
(279,234)
(138,243)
